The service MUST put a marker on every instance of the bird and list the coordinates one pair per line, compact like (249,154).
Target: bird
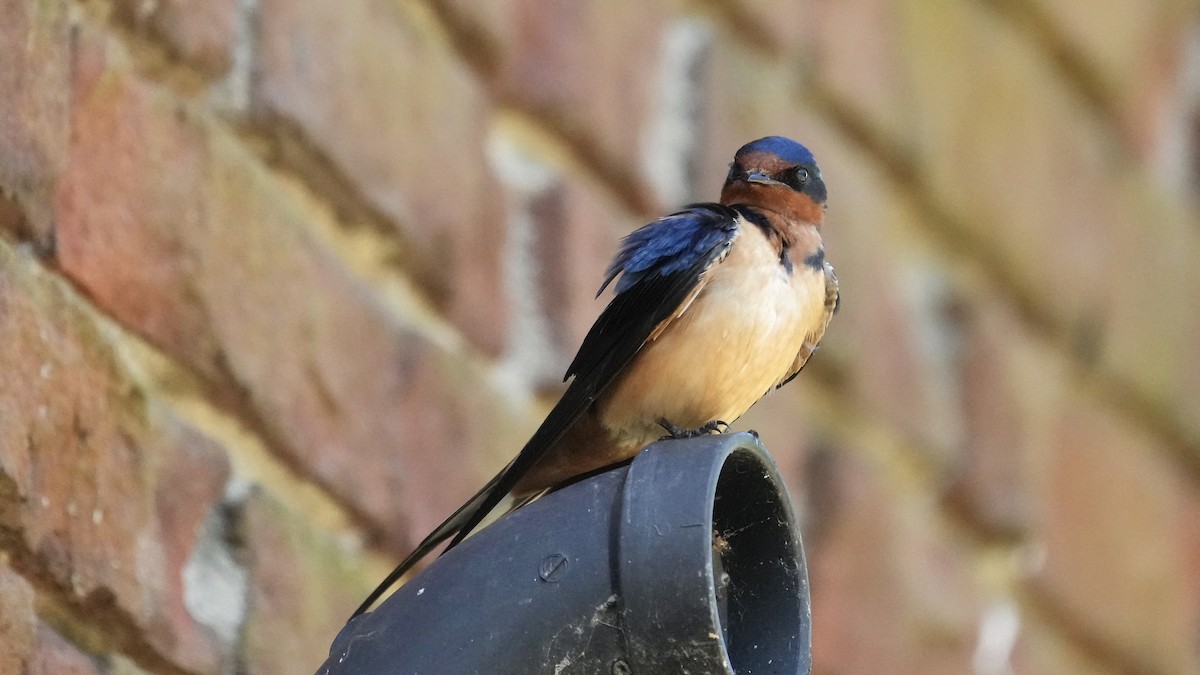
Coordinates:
(713,307)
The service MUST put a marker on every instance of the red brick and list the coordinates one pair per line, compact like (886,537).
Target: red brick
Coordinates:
(785,30)
(132,186)
(352,394)
(1028,179)
(903,361)
(1120,531)
(56,656)
(1147,340)
(1034,192)
(18,623)
(1125,50)
(303,587)
(214,261)
(202,34)
(890,592)
(27,644)
(93,468)
(457,433)
(34,96)
(850,49)
(563,236)
(189,489)
(1157,107)
(576,234)
(376,90)
(1042,648)
(865,72)
(570,64)
(991,483)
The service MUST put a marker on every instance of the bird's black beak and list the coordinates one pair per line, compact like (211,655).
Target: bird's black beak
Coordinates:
(760,177)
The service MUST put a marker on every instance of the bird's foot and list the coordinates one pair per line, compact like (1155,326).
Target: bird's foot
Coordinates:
(710,427)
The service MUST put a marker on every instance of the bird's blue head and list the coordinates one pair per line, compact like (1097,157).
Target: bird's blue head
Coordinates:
(767,170)
(781,147)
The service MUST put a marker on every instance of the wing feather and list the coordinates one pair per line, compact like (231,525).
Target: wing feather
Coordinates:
(659,266)
(662,267)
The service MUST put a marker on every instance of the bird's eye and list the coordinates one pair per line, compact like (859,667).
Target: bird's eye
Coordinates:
(802,174)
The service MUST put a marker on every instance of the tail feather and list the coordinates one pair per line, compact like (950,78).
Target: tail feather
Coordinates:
(468,516)
(588,382)
(449,527)
(568,409)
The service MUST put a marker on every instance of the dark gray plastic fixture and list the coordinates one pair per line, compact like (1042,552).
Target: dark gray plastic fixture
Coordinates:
(686,560)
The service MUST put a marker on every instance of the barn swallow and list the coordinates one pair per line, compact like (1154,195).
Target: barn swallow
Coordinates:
(713,307)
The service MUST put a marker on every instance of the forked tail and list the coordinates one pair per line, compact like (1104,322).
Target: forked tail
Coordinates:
(449,527)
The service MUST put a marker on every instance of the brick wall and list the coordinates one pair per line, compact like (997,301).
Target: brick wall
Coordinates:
(283,281)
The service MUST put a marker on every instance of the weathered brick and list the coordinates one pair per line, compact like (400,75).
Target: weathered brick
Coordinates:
(864,72)
(201,34)
(27,644)
(18,622)
(173,226)
(1035,192)
(1028,178)
(96,495)
(891,592)
(1041,648)
(568,64)
(54,655)
(1147,340)
(990,483)
(352,382)
(132,186)
(1120,532)
(1123,51)
(303,588)
(787,30)
(374,88)
(34,95)
(1157,108)
(1114,536)
(188,487)
(562,236)
(213,260)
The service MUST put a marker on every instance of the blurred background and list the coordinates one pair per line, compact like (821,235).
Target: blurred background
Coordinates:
(283,281)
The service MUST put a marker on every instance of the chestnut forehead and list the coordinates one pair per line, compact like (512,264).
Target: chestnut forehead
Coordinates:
(766,161)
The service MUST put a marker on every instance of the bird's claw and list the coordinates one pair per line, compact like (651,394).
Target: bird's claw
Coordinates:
(710,427)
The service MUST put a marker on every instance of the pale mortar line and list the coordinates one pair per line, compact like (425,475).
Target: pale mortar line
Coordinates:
(1000,569)
(166,382)
(1133,404)
(363,245)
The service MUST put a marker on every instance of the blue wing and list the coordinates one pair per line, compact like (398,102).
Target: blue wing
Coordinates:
(679,242)
(659,266)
